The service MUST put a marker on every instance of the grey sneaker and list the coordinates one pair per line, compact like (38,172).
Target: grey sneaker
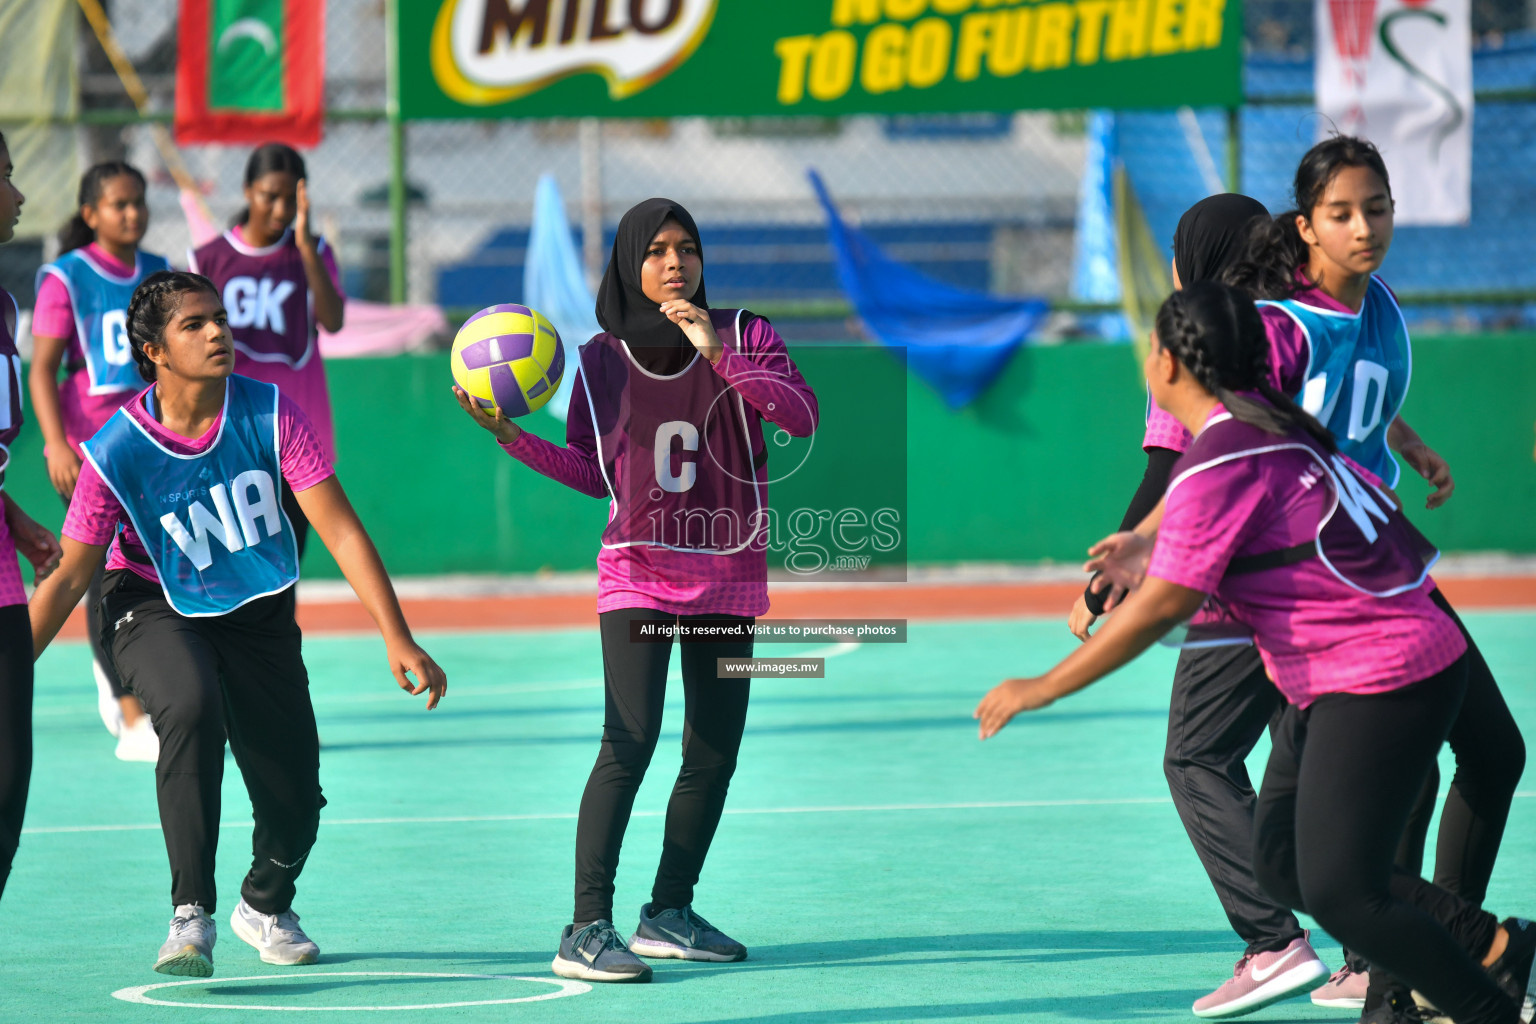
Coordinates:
(683,935)
(277,937)
(188,952)
(596,953)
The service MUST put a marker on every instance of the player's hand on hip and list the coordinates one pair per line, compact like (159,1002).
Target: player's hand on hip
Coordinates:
(1428,464)
(696,325)
(1122,558)
(408,657)
(1007,699)
(493,420)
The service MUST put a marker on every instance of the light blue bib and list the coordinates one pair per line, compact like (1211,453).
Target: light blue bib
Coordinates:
(1358,365)
(100,301)
(213,524)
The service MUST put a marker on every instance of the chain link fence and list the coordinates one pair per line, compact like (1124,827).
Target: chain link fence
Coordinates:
(982,201)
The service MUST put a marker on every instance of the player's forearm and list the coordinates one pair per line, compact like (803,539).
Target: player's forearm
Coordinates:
(360,563)
(330,308)
(43,384)
(1149,525)
(1400,435)
(331,514)
(1145,616)
(571,465)
(58,595)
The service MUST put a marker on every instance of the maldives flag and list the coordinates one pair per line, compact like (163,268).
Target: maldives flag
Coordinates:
(250,71)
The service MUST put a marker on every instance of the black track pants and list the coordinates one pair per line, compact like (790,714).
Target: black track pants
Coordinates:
(635,681)
(238,677)
(1341,783)
(1222,702)
(15,729)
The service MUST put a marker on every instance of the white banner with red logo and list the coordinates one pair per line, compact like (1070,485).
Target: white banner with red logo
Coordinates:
(1399,72)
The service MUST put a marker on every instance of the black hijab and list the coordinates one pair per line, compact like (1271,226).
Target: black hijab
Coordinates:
(623,310)
(1210,235)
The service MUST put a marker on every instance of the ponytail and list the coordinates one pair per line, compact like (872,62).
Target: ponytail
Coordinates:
(76,233)
(1271,255)
(1216,333)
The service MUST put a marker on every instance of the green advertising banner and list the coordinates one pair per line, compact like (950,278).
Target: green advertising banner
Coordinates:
(671,58)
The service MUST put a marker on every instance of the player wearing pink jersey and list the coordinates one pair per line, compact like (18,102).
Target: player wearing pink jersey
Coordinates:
(1334,320)
(666,422)
(280,285)
(1264,517)
(1222,699)
(79,318)
(200,604)
(18,532)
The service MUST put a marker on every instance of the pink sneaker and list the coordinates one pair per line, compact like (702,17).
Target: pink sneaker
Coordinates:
(1265,978)
(1345,990)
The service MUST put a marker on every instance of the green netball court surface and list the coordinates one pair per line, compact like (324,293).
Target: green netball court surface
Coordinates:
(879,862)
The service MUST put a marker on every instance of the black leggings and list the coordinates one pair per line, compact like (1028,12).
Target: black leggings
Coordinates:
(1341,782)
(635,683)
(15,729)
(238,676)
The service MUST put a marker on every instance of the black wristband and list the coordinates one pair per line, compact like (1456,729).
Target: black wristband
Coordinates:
(1094,601)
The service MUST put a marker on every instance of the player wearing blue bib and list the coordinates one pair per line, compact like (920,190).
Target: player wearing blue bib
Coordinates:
(80,323)
(184,485)
(1365,355)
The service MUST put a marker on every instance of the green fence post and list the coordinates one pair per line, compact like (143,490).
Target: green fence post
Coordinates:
(1234,149)
(397,197)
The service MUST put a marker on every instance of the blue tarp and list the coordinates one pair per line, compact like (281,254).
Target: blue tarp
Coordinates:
(554,284)
(957,341)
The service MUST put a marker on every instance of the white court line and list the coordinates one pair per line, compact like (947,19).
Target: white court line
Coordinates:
(387,693)
(976,805)
(140,993)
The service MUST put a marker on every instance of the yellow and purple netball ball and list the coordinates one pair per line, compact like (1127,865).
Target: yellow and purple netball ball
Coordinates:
(508,357)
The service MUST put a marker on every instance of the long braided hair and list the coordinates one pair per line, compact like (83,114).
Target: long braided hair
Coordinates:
(153,305)
(1216,333)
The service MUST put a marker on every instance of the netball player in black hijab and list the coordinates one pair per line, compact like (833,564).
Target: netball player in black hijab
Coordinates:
(625,311)
(667,424)
(1222,699)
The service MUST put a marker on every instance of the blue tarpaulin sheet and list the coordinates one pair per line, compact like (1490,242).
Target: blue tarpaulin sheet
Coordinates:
(957,341)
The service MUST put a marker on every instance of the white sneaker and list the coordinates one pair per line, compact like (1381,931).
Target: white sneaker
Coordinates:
(106,705)
(138,742)
(277,937)
(188,952)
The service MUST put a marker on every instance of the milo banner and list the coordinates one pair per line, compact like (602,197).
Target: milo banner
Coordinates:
(669,58)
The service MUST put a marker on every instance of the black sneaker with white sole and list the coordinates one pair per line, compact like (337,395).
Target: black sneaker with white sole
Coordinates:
(595,952)
(683,935)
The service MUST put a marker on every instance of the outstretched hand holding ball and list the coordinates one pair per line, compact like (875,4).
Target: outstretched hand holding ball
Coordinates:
(507,359)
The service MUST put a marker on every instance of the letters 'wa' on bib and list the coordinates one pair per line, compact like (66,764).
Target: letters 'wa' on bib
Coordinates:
(212,523)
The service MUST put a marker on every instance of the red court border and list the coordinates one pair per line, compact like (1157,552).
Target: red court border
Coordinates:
(914,602)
